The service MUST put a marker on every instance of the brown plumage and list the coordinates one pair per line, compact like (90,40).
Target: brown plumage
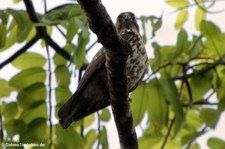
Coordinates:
(92,93)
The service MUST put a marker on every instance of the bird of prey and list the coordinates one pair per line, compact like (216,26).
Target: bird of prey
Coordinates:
(92,93)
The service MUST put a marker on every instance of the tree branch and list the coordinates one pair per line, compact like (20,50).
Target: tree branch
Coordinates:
(1,127)
(116,55)
(50,88)
(221,61)
(168,133)
(20,51)
(50,97)
(41,31)
(201,103)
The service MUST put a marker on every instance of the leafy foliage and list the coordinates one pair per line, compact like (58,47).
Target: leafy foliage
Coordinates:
(175,97)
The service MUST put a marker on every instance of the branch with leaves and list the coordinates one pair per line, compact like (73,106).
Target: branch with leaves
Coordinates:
(41,31)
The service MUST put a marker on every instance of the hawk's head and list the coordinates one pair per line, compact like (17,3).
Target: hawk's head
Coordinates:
(126,20)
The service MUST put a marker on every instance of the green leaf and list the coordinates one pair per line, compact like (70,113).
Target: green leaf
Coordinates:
(90,139)
(216,143)
(156,24)
(71,30)
(103,138)
(40,111)
(24,23)
(3,33)
(181,18)
(215,40)
(11,38)
(59,60)
(62,75)
(16,1)
(171,144)
(68,138)
(193,119)
(195,146)
(28,77)
(209,116)
(10,110)
(62,94)
(219,79)
(88,120)
(182,43)
(177,3)
(157,107)
(191,136)
(4,17)
(28,60)
(149,141)
(36,131)
(105,115)
(30,95)
(200,15)
(79,53)
(200,85)
(14,127)
(61,15)
(171,93)
(5,88)
(139,97)
(168,54)
(221,106)
(196,47)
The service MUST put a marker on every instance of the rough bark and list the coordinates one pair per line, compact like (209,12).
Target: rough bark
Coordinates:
(117,51)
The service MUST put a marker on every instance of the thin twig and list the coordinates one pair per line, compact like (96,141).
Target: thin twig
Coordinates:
(210,95)
(91,46)
(201,103)
(159,68)
(221,61)
(188,86)
(20,51)
(168,133)
(63,34)
(1,127)
(205,10)
(49,87)
(192,5)
(99,129)
(194,139)
(49,96)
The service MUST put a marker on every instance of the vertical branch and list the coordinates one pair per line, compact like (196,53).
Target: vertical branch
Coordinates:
(99,129)
(49,96)
(188,86)
(49,86)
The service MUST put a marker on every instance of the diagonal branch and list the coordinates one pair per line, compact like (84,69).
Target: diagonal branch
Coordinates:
(168,133)
(20,51)
(116,55)
(221,61)
(41,31)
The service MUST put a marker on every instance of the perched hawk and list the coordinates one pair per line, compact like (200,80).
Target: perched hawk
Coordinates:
(92,93)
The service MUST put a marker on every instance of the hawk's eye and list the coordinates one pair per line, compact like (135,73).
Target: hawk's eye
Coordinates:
(119,19)
(133,16)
